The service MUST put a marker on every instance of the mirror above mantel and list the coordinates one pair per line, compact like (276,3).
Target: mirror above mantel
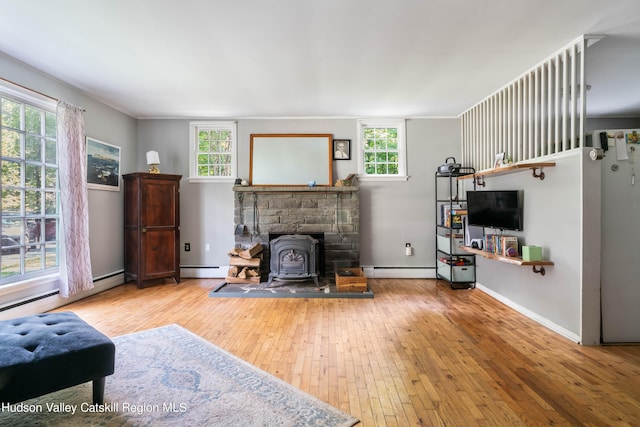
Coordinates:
(290,159)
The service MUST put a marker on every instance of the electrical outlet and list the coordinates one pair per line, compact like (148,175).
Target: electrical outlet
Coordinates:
(408,250)
(187,247)
(207,247)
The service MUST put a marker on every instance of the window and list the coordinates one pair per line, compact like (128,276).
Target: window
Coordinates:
(382,150)
(213,151)
(29,184)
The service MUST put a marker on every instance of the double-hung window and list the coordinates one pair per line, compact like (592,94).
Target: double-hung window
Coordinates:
(213,151)
(382,150)
(29,185)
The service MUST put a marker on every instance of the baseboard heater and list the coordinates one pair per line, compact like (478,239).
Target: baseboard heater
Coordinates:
(382,272)
(203,271)
(28,300)
(50,293)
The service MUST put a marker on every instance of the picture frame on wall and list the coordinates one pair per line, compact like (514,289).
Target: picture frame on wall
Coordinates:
(341,149)
(499,161)
(103,165)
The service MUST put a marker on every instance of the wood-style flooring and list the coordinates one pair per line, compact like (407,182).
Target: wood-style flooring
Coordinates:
(418,354)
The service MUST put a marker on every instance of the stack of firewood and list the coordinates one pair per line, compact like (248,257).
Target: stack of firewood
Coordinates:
(244,264)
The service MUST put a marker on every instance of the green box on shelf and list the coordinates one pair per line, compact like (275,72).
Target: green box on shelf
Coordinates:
(532,253)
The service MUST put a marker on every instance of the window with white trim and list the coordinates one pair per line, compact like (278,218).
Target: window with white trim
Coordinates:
(382,150)
(213,155)
(30,205)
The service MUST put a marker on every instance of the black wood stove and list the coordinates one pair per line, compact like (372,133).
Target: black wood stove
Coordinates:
(294,257)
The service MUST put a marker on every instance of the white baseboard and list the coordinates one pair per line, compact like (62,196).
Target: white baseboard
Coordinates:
(55,301)
(399,272)
(199,272)
(530,314)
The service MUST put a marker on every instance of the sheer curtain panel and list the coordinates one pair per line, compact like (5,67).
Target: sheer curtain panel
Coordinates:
(75,259)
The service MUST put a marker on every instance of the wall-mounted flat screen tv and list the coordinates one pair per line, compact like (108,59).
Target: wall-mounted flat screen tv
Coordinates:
(495,209)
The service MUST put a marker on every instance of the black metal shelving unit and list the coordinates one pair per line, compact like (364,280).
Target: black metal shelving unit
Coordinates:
(453,264)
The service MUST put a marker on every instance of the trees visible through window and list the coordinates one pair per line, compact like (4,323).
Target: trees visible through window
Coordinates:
(30,193)
(214,150)
(382,149)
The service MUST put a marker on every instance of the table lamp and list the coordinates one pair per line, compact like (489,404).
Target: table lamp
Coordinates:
(153,160)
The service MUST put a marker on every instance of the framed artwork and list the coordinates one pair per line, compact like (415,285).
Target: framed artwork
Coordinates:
(341,149)
(103,165)
(499,160)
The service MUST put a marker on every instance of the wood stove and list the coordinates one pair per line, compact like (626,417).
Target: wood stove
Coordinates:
(294,257)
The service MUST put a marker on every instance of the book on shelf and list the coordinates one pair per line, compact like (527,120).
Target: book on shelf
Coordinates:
(509,246)
(501,245)
(451,215)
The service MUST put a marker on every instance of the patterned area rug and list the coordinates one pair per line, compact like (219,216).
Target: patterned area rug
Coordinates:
(302,289)
(169,376)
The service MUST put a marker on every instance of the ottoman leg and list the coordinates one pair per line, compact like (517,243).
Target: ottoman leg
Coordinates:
(98,391)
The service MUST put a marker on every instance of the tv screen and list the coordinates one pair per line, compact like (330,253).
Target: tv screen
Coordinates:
(495,209)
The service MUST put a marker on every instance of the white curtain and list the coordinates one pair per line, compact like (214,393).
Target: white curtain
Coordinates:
(75,260)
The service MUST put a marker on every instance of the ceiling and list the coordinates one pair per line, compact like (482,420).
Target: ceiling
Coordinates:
(317,58)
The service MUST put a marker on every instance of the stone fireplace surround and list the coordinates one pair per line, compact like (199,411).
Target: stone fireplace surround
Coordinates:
(333,212)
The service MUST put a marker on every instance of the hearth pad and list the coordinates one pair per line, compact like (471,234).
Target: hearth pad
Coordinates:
(282,289)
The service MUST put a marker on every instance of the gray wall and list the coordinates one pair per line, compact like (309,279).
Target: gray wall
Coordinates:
(392,213)
(102,123)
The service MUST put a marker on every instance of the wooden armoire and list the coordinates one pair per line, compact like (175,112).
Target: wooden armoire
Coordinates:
(151,227)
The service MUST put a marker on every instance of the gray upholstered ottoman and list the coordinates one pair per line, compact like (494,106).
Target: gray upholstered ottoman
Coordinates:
(48,352)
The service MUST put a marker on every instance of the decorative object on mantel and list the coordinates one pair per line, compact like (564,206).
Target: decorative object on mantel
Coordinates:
(153,160)
(347,182)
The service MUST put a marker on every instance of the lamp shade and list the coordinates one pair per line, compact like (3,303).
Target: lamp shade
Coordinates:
(153,158)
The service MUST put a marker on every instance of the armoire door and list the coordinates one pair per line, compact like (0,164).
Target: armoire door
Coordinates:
(159,228)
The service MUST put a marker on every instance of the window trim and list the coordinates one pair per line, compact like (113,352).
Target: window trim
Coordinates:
(26,96)
(400,124)
(194,126)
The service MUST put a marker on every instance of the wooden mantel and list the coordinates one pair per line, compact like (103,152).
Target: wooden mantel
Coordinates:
(293,189)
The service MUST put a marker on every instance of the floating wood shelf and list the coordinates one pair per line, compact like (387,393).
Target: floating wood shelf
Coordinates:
(479,176)
(509,260)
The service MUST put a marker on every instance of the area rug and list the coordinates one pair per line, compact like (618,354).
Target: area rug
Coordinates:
(302,289)
(168,377)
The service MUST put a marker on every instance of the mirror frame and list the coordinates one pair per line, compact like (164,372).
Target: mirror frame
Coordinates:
(282,149)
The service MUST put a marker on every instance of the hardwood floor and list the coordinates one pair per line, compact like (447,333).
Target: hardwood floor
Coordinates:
(417,354)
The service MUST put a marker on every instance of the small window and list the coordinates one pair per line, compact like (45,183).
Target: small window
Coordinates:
(382,150)
(213,151)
